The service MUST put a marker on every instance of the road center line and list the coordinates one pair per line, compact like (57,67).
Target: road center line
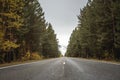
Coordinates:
(63,62)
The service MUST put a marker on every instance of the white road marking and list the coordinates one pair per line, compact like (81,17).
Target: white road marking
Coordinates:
(18,65)
(63,62)
(63,67)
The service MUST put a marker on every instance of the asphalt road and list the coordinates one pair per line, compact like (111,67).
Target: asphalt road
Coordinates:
(62,69)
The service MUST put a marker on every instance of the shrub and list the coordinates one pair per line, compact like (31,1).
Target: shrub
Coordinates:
(26,57)
(35,56)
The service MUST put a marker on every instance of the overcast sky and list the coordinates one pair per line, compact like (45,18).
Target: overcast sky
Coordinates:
(62,14)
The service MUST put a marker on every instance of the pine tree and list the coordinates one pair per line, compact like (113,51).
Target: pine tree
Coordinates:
(98,31)
(50,43)
(11,21)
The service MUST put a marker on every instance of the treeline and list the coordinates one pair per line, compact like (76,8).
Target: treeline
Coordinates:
(98,31)
(24,32)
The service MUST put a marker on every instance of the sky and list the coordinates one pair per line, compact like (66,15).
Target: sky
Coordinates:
(62,14)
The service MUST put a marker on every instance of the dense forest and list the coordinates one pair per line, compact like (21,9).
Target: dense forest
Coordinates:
(98,32)
(24,32)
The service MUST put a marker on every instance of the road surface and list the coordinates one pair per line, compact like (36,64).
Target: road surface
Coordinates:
(62,69)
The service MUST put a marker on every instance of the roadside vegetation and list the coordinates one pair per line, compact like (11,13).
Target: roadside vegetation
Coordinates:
(98,32)
(24,32)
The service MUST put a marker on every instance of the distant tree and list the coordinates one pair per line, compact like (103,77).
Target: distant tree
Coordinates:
(50,43)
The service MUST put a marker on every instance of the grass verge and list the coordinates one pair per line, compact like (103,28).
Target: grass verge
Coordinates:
(17,62)
(104,61)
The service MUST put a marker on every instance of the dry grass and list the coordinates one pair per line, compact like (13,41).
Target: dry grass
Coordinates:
(104,61)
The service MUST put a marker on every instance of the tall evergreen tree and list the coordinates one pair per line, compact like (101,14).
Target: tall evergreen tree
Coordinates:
(11,21)
(23,29)
(50,44)
(98,30)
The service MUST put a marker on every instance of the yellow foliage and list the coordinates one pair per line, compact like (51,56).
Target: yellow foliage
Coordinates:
(10,15)
(15,24)
(7,45)
(1,35)
(0,19)
(26,57)
(31,56)
(35,56)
